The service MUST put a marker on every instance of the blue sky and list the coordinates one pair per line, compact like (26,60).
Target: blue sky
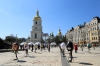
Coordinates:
(16,15)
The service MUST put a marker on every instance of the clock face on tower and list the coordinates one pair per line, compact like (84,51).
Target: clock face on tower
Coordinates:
(35,27)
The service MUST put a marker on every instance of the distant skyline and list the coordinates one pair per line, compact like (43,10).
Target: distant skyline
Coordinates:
(16,16)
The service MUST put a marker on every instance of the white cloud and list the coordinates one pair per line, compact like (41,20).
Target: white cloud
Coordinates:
(2,11)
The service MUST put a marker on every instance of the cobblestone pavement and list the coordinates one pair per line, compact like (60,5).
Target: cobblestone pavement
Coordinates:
(40,58)
(86,58)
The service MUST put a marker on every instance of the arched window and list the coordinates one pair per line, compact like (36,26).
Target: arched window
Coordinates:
(35,35)
(36,22)
(94,38)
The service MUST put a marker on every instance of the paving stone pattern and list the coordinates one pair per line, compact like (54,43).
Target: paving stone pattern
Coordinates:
(40,58)
(53,58)
(86,58)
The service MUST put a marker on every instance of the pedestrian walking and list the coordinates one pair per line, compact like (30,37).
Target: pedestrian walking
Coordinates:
(70,49)
(81,46)
(26,47)
(32,47)
(76,48)
(63,46)
(48,47)
(60,48)
(88,45)
(35,46)
(15,48)
(44,46)
(93,46)
(41,45)
(38,46)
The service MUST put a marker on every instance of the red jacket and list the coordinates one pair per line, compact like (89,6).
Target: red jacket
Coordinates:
(75,47)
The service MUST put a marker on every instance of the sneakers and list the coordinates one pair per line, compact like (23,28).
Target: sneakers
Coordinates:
(70,61)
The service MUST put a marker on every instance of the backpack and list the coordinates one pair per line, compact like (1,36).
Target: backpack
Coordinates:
(69,46)
(89,46)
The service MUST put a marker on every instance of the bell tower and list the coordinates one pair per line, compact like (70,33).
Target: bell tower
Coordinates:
(36,33)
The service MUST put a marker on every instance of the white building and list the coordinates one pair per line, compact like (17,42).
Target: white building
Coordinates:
(36,33)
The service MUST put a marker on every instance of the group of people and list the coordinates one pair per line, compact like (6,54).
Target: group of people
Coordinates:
(15,48)
(69,47)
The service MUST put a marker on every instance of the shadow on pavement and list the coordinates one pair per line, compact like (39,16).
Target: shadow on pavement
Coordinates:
(81,53)
(39,53)
(14,59)
(31,56)
(84,63)
(96,53)
(21,61)
(74,57)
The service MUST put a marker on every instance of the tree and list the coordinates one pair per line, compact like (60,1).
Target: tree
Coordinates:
(64,39)
(10,39)
(1,43)
(57,39)
(20,40)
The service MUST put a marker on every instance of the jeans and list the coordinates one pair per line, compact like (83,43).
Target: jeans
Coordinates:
(16,53)
(63,52)
(70,55)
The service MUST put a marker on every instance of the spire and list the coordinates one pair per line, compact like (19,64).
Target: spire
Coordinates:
(37,17)
(37,13)
(59,32)
(52,34)
(59,29)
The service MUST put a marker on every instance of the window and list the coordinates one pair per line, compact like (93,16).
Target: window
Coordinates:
(93,28)
(35,27)
(36,22)
(87,38)
(35,35)
(94,38)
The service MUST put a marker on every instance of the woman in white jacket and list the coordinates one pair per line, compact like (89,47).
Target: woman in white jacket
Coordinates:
(63,46)
(26,47)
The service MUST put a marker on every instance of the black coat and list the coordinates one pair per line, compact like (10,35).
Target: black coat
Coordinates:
(70,45)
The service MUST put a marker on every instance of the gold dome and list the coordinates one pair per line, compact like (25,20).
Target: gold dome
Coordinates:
(59,32)
(37,17)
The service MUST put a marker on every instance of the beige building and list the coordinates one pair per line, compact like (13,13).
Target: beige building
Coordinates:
(88,32)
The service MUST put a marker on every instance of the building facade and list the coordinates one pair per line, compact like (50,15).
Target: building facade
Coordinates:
(88,32)
(36,33)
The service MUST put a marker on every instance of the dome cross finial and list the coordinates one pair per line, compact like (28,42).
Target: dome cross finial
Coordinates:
(37,12)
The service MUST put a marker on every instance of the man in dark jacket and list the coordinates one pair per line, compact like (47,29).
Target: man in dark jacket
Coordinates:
(70,49)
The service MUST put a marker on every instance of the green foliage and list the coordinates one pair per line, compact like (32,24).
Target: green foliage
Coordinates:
(10,39)
(1,43)
(20,40)
(57,39)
